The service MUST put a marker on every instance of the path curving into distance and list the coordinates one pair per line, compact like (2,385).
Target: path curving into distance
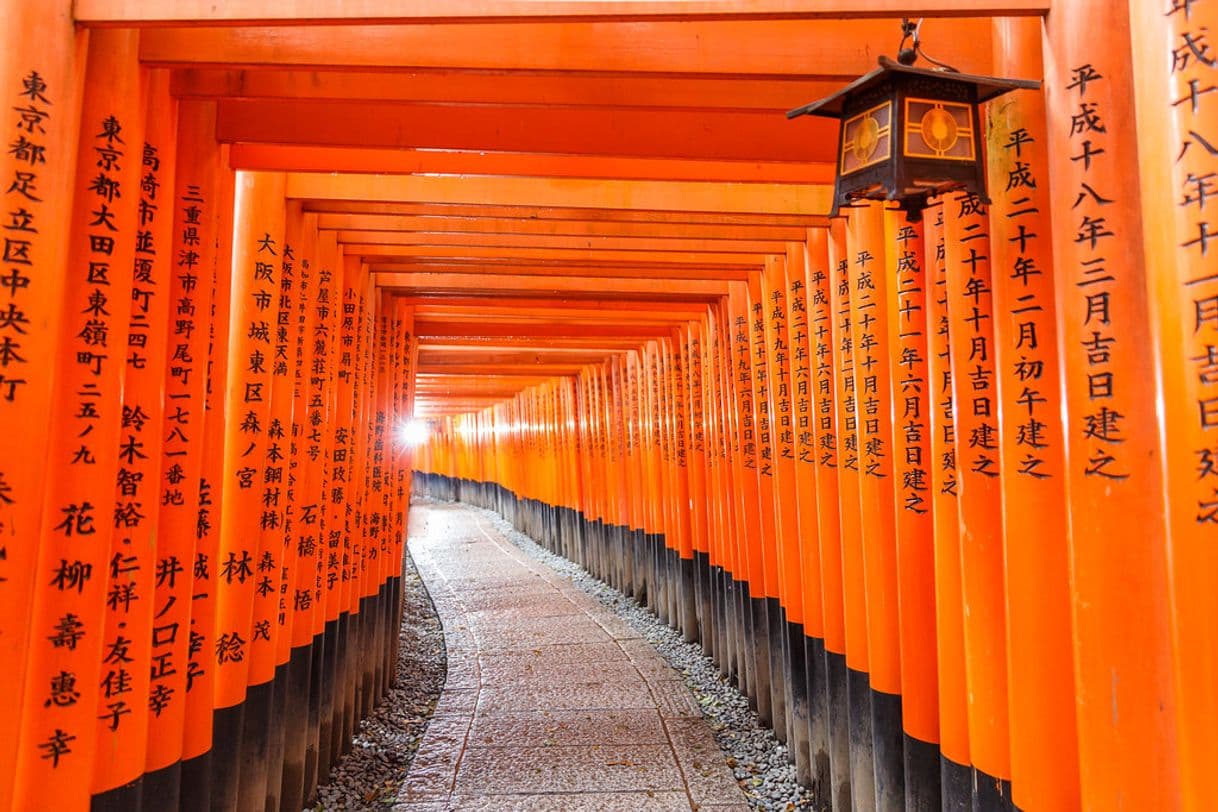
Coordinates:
(551,702)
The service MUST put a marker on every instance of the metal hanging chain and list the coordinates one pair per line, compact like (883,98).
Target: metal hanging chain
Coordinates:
(907,56)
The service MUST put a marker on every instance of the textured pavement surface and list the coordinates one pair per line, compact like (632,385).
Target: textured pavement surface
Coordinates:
(552,703)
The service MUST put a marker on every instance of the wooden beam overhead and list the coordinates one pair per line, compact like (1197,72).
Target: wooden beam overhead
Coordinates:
(570,228)
(809,48)
(622,307)
(492,273)
(526,212)
(521,356)
(458,284)
(568,344)
(507,244)
(306,12)
(443,329)
(680,134)
(373,251)
(442,86)
(738,198)
(498,368)
(383,160)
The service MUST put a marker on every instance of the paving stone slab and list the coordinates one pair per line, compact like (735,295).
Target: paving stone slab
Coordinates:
(565,728)
(507,671)
(596,768)
(544,694)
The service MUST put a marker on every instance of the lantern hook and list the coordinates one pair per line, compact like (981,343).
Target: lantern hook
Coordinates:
(908,55)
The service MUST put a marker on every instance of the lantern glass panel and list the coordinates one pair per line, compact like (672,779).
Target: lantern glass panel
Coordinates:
(867,138)
(940,130)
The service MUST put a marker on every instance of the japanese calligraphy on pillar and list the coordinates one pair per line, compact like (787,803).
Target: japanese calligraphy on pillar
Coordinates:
(1176,82)
(1024,292)
(780,352)
(1194,107)
(868,350)
(258,255)
(911,431)
(744,389)
(974,387)
(71,657)
(802,393)
(949,627)
(24,213)
(821,309)
(18,277)
(1102,424)
(762,389)
(843,340)
(906,291)
(303,474)
(971,312)
(189,295)
(200,650)
(939,366)
(131,625)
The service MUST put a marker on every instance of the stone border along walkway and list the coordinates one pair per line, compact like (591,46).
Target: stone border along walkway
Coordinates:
(551,702)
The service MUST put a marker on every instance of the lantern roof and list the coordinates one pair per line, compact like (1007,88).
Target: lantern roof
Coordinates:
(987,87)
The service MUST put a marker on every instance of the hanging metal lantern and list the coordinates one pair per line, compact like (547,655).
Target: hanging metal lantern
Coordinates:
(909,133)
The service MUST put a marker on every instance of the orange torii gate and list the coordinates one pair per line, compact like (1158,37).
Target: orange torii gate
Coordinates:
(936,495)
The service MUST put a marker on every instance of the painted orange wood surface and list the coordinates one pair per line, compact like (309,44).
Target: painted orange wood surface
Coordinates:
(40,70)
(1124,692)
(247,245)
(1044,742)
(73,671)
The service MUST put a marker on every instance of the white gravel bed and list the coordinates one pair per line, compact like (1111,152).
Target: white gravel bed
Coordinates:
(369,776)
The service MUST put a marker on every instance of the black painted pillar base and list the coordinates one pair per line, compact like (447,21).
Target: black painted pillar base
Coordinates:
(253,746)
(642,583)
(226,757)
(126,798)
(688,601)
(838,694)
(957,785)
(276,749)
(862,757)
(744,643)
(708,620)
(777,636)
(719,620)
(991,794)
(818,723)
(295,730)
(798,734)
(162,789)
(760,651)
(196,784)
(888,751)
(325,738)
(921,775)
(316,660)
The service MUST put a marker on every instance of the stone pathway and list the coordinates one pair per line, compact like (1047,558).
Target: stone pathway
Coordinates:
(551,701)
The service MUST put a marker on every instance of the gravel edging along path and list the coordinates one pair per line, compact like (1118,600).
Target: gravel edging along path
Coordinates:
(369,776)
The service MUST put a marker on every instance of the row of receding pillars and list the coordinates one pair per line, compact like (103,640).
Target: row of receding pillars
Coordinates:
(201,502)
(941,497)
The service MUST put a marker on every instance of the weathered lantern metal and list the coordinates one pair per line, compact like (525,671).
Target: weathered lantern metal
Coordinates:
(908,133)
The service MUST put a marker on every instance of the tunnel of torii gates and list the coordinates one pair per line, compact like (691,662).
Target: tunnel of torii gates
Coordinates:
(941,496)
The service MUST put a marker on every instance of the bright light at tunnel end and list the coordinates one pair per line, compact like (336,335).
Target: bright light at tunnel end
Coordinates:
(414,432)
